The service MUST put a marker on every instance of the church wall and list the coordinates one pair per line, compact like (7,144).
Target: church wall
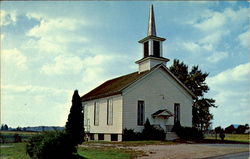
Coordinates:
(159,91)
(103,127)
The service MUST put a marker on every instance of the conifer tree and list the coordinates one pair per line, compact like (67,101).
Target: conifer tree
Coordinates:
(195,81)
(74,125)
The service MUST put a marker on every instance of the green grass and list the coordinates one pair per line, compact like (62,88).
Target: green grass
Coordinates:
(103,153)
(132,143)
(231,137)
(18,151)
(13,151)
(8,136)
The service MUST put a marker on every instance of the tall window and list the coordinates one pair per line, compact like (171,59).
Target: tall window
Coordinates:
(156,48)
(176,112)
(140,113)
(109,111)
(146,49)
(96,113)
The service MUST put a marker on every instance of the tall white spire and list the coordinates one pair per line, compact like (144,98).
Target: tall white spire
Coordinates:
(151,22)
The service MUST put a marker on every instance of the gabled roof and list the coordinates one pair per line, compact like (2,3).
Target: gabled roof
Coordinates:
(162,113)
(113,86)
(117,85)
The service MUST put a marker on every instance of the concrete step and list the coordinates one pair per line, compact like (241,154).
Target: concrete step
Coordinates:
(170,136)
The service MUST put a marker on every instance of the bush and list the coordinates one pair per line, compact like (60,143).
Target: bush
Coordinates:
(187,133)
(17,138)
(151,133)
(130,135)
(51,145)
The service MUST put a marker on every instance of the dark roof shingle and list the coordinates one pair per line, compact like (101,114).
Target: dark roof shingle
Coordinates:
(113,86)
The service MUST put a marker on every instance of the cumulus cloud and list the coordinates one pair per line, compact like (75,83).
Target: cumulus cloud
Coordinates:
(239,73)
(66,64)
(218,56)
(63,65)
(244,38)
(2,37)
(13,57)
(214,20)
(54,34)
(8,18)
(214,37)
(230,89)
(32,89)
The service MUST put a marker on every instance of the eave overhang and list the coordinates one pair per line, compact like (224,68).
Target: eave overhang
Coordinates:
(151,37)
(152,57)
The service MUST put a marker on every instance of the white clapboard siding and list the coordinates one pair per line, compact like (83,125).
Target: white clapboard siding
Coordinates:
(103,127)
(159,91)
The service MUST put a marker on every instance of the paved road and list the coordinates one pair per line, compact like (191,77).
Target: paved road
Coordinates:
(241,155)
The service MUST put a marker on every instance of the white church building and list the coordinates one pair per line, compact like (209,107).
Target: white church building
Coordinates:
(152,92)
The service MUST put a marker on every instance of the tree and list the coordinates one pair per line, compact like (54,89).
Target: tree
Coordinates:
(217,130)
(74,125)
(195,81)
(4,127)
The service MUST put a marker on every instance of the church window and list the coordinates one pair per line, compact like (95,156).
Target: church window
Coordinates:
(140,113)
(176,112)
(109,111)
(96,113)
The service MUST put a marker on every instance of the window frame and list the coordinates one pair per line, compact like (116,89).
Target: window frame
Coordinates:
(177,113)
(96,113)
(110,111)
(140,112)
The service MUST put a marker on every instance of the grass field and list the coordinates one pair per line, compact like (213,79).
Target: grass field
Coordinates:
(231,137)
(8,136)
(18,151)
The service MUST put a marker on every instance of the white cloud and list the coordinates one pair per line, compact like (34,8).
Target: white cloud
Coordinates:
(66,64)
(8,18)
(2,37)
(54,34)
(197,47)
(230,89)
(209,20)
(13,57)
(212,20)
(214,37)
(244,38)
(63,65)
(191,46)
(239,73)
(33,89)
(218,56)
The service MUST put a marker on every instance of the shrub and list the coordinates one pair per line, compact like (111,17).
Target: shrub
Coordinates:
(222,134)
(187,133)
(148,133)
(151,133)
(50,145)
(17,138)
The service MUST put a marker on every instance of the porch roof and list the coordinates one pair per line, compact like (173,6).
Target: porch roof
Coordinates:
(163,113)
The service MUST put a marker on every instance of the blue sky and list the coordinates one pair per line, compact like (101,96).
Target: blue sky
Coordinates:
(49,49)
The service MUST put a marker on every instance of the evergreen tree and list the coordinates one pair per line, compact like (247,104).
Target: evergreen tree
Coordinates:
(74,125)
(195,81)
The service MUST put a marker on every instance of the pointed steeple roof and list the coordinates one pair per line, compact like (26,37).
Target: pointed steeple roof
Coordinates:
(151,22)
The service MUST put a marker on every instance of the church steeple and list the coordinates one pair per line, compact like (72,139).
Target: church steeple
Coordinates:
(151,22)
(152,46)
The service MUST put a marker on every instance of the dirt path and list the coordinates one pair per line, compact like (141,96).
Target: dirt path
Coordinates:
(187,151)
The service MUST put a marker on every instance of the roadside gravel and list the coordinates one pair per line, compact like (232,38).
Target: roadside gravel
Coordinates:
(188,151)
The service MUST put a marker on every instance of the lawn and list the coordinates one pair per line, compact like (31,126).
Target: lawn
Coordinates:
(245,138)
(18,151)
(8,136)
(13,151)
